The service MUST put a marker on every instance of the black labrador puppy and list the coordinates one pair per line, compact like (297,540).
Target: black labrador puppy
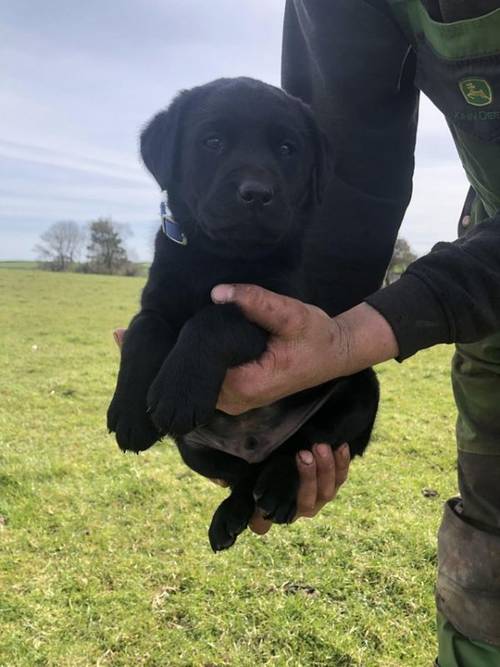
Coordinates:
(244,165)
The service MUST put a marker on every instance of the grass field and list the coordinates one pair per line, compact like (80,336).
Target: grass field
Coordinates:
(104,558)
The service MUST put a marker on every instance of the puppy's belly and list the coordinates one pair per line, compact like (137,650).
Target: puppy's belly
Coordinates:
(254,435)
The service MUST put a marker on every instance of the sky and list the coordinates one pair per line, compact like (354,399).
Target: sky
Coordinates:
(80,79)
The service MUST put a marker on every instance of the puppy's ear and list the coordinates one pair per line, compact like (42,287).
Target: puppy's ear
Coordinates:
(161,138)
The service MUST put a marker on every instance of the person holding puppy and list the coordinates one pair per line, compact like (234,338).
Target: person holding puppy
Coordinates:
(360,64)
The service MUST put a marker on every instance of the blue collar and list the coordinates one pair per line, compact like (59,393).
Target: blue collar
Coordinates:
(170,227)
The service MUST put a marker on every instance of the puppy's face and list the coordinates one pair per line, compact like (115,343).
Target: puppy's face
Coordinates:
(240,161)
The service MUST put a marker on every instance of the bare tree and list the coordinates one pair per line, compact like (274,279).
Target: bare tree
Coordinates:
(60,245)
(402,257)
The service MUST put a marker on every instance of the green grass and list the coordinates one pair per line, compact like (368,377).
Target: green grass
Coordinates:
(104,558)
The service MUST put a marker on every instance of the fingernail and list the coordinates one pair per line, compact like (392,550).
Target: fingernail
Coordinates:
(306,457)
(323,450)
(344,451)
(220,482)
(222,293)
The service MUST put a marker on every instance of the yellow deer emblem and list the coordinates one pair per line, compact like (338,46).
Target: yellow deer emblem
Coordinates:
(476,92)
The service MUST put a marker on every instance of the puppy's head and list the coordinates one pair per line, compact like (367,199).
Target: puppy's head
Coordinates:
(241,161)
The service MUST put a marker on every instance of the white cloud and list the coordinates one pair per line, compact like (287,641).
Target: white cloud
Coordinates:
(96,163)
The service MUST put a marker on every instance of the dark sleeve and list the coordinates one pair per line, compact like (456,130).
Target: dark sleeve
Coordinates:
(349,60)
(452,295)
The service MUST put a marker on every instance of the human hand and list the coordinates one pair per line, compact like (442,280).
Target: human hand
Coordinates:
(306,347)
(118,335)
(322,472)
(299,352)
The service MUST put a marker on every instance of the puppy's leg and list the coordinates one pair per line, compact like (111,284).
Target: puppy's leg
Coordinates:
(233,514)
(348,415)
(213,463)
(147,342)
(275,491)
(184,394)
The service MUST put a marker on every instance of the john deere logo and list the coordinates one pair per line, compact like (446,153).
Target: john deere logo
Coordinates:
(476,92)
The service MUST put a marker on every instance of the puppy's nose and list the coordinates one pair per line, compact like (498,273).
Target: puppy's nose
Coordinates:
(251,193)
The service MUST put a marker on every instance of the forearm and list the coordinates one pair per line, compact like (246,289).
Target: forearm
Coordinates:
(350,62)
(449,296)
(361,337)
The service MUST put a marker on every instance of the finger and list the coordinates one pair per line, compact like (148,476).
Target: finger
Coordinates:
(259,525)
(276,313)
(326,474)
(118,335)
(342,461)
(308,488)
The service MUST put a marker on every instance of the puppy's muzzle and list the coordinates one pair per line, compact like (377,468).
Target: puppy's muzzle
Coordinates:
(255,194)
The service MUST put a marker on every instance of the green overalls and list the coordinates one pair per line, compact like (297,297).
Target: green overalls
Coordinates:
(458,67)
(332,48)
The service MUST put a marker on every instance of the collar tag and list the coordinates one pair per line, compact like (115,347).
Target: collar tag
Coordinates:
(170,227)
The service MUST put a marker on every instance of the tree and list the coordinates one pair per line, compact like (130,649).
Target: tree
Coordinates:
(402,257)
(106,252)
(60,245)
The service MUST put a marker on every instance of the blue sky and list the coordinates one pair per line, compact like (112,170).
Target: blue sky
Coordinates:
(79,79)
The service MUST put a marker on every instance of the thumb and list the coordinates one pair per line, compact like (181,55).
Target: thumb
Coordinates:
(278,314)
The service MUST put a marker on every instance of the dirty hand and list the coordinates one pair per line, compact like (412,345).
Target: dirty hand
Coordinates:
(306,346)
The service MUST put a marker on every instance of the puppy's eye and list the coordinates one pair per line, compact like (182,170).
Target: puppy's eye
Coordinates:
(287,148)
(213,143)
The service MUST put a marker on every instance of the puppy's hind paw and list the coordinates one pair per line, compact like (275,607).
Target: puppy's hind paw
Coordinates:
(276,490)
(230,520)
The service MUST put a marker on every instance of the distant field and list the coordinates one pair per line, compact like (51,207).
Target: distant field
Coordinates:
(143,267)
(104,558)
(21,264)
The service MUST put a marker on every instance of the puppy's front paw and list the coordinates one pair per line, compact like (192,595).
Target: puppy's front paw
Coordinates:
(230,519)
(131,424)
(275,492)
(176,404)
